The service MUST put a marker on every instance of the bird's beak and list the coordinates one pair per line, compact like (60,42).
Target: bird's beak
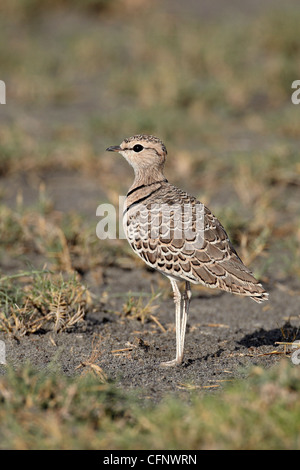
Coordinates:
(114,148)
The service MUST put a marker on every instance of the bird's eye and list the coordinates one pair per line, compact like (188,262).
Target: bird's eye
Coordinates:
(138,148)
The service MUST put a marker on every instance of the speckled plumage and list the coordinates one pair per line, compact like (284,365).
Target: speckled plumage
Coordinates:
(215,264)
(161,223)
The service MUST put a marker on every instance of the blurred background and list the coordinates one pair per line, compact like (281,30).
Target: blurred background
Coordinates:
(211,79)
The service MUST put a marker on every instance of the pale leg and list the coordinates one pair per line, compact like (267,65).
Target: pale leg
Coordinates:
(178,323)
(185,311)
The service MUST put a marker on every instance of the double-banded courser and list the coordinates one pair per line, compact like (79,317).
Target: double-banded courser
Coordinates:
(177,235)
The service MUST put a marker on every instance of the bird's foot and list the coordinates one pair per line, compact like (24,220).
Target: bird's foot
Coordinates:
(173,363)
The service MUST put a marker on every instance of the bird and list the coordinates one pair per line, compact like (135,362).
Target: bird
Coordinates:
(177,235)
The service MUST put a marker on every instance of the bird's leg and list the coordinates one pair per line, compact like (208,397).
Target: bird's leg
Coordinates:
(185,311)
(177,301)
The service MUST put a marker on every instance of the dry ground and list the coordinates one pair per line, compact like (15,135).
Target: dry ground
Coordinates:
(225,333)
(217,91)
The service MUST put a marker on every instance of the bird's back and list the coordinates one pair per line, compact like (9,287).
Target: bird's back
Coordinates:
(177,235)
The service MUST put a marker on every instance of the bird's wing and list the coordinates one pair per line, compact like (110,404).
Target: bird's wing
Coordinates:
(177,235)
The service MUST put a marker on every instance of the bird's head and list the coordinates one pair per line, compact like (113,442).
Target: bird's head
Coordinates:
(143,152)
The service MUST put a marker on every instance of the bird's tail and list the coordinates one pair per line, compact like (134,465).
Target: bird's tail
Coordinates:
(260,297)
(240,280)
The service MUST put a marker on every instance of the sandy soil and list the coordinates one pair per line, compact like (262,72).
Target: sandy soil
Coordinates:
(225,333)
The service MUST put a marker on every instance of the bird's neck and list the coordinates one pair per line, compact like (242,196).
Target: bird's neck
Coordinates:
(146,176)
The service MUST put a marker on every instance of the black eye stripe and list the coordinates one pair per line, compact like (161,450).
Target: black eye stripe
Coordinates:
(143,148)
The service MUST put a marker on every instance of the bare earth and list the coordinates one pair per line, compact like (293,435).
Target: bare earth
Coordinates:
(225,333)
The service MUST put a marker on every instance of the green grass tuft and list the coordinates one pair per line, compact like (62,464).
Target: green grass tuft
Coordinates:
(47,410)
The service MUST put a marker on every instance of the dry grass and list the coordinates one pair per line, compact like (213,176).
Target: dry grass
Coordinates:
(47,410)
(42,301)
(222,106)
(90,364)
(137,309)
